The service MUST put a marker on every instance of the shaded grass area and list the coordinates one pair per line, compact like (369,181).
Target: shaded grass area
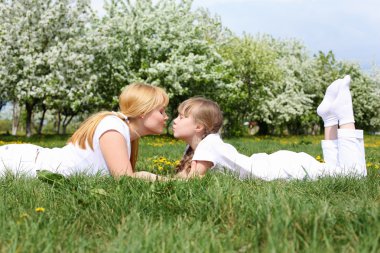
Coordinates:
(216,214)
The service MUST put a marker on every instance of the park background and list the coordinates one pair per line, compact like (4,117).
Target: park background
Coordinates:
(61,61)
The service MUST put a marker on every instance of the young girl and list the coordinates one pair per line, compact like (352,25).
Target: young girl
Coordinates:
(200,120)
(106,143)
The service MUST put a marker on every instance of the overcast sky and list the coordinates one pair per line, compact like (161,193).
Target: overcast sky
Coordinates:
(350,28)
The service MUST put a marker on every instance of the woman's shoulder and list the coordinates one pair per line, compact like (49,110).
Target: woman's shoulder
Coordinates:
(112,122)
(112,118)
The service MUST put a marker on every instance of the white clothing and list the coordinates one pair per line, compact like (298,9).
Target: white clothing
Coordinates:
(70,159)
(344,156)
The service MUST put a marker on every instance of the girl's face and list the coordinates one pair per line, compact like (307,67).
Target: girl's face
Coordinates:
(184,128)
(154,122)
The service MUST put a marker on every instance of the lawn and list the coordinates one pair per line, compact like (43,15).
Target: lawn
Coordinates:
(215,214)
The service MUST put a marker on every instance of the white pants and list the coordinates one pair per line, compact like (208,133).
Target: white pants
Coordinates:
(18,159)
(343,157)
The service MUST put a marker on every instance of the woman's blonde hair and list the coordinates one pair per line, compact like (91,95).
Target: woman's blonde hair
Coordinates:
(205,112)
(135,100)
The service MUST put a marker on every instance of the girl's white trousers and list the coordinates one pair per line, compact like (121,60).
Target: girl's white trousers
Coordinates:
(343,157)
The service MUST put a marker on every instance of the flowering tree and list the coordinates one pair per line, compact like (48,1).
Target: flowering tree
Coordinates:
(268,88)
(165,44)
(44,58)
(296,111)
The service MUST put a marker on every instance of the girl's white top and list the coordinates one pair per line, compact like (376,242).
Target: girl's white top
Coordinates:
(279,165)
(72,159)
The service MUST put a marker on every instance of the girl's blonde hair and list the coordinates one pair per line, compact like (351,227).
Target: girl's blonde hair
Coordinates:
(135,100)
(205,112)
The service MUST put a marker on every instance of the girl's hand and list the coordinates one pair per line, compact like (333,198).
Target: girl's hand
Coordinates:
(198,169)
(150,176)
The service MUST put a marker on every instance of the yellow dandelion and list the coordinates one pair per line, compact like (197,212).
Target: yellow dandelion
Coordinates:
(40,209)
(377,166)
(369,164)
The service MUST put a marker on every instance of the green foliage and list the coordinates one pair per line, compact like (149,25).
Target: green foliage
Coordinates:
(58,56)
(269,79)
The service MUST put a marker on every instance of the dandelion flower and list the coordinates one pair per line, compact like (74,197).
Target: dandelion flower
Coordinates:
(40,209)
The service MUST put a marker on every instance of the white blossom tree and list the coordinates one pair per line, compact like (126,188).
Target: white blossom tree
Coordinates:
(165,44)
(293,108)
(45,56)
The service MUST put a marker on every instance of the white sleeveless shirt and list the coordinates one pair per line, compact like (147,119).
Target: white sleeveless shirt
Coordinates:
(72,159)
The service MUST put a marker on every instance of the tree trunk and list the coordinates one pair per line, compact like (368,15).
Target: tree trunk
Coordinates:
(15,117)
(41,124)
(29,111)
(66,122)
(59,123)
(264,129)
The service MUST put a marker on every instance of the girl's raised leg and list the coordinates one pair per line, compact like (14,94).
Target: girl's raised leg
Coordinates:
(351,153)
(330,120)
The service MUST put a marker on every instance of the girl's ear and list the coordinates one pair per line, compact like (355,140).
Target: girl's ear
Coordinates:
(199,128)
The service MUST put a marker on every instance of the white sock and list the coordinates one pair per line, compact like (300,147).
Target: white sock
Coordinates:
(342,106)
(324,109)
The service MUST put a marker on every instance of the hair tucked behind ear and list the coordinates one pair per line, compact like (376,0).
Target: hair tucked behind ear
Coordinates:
(205,112)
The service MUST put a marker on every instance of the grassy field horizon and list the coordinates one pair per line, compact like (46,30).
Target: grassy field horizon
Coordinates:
(218,213)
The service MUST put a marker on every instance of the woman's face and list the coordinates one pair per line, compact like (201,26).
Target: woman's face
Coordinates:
(154,122)
(184,128)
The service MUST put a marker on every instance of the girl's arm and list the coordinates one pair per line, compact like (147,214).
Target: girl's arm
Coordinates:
(115,152)
(149,176)
(198,169)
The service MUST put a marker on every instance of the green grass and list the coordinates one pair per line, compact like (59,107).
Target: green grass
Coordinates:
(216,214)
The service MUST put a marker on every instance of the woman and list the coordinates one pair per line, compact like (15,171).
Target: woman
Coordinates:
(200,120)
(106,143)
